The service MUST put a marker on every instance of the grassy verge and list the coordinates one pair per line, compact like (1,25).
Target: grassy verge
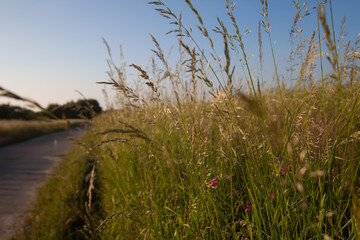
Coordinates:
(276,163)
(15,131)
(59,212)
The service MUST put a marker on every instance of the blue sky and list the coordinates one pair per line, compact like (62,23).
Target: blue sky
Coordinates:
(49,49)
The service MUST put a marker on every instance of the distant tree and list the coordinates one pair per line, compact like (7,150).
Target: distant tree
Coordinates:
(15,112)
(5,111)
(87,108)
(53,109)
(52,106)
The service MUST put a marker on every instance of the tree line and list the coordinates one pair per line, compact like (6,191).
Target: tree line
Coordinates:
(83,108)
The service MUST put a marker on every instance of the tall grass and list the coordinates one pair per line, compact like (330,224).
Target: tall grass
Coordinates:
(276,163)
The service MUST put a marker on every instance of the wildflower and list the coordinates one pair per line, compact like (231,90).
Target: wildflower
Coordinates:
(249,207)
(283,170)
(272,195)
(214,183)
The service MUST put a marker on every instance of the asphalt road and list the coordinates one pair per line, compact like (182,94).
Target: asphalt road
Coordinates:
(24,167)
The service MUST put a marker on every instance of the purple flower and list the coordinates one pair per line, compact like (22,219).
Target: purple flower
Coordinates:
(249,207)
(214,183)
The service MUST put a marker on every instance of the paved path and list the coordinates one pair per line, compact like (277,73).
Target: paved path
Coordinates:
(24,167)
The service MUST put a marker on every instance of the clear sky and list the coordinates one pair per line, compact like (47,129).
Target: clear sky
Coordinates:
(51,48)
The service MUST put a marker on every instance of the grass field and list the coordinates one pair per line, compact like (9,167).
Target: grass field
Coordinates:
(275,163)
(14,131)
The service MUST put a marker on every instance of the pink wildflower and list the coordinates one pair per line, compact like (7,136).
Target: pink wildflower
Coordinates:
(272,195)
(249,207)
(214,183)
(283,170)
